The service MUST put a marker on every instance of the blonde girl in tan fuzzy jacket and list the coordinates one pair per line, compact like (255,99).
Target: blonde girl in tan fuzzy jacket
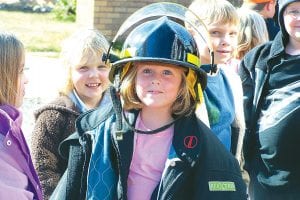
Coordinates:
(84,89)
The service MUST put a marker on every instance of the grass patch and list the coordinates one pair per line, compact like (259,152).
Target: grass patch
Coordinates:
(40,32)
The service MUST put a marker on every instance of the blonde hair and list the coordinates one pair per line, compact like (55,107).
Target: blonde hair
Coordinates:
(252,31)
(211,11)
(185,103)
(78,47)
(11,54)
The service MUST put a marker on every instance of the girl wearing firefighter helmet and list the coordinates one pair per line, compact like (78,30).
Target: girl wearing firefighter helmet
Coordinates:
(161,150)
(150,144)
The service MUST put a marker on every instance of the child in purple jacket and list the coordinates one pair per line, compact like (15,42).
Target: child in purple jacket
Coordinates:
(18,179)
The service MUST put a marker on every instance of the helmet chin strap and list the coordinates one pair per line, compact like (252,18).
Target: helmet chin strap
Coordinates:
(213,67)
(151,131)
(105,56)
(116,101)
(108,57)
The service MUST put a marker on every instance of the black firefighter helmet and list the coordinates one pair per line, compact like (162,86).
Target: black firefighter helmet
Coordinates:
(158,33)
(160,40)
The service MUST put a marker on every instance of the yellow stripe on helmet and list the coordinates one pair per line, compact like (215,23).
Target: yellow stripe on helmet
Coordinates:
(128,53)
(191,58)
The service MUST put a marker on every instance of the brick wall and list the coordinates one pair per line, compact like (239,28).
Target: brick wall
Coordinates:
(108,15)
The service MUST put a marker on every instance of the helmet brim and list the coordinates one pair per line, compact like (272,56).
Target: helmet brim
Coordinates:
(202,75)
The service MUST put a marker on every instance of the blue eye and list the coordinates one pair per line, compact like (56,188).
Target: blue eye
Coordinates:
(167,72)
(215,33)
(147,71)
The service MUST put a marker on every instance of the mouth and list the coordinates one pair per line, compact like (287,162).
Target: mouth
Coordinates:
(93,85)
(223,51)
(154,92)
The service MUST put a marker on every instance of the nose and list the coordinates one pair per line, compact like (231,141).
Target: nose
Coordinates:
(225,40)
(93,72)
(156,79)
(155,82)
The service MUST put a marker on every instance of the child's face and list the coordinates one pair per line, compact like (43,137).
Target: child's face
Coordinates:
(22,80)
(291,17)
(90,79)
(224,40)
(157,85)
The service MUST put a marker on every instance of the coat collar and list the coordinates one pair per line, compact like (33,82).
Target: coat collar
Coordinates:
(268,54)
(91,119)
(278,45)
(10,118)
(186,141)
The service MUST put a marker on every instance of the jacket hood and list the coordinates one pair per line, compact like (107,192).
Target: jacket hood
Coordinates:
(9,116)
(61,104)
(282,5)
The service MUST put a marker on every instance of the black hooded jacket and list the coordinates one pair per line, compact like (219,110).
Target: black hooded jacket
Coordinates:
(271,86)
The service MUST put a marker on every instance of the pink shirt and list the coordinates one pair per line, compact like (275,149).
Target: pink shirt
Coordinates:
(150,153)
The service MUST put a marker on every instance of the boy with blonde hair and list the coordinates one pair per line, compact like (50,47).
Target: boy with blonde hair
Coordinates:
(223,95)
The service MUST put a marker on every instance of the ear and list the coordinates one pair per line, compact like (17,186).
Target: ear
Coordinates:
(270,5)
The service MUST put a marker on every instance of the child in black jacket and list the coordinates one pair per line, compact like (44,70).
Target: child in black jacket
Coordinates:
(270,74)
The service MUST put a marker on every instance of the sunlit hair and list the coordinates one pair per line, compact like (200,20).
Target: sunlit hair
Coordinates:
(11,55)
(215,11)
(184,104)
(76,49)
(252,31)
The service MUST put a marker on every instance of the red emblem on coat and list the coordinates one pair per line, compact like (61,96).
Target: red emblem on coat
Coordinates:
(190,142)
